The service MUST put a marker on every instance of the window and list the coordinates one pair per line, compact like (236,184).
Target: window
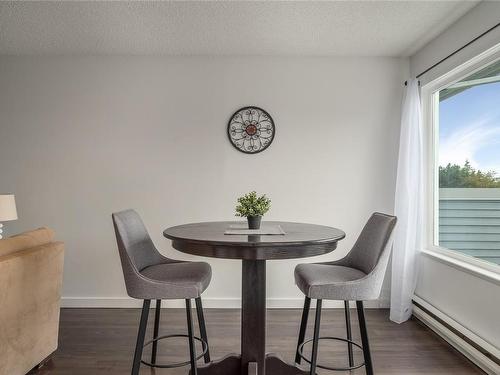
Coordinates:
(467,178)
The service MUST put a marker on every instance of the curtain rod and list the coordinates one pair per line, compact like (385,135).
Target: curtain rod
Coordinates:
(455,52)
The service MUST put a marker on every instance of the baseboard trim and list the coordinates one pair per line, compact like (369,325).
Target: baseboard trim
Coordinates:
(218,303)
(478,351)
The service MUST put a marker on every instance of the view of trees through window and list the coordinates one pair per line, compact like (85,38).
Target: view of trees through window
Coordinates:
(469,165)
(456,176)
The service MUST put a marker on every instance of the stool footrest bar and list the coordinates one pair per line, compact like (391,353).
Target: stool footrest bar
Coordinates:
(178,364)
(308,360)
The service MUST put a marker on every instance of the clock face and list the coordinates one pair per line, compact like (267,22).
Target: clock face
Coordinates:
(251,130)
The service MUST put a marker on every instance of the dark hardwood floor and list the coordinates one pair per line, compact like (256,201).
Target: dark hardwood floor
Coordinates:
(101,341)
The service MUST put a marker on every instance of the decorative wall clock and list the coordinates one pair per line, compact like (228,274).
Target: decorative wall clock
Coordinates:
(251,130)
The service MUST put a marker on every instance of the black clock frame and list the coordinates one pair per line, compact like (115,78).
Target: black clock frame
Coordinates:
(229,129)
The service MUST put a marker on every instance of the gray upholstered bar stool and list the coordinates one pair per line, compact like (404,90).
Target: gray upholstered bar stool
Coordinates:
(149,275)
(356,277)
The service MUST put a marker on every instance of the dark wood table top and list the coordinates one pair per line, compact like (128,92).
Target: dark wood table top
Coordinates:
(208,239)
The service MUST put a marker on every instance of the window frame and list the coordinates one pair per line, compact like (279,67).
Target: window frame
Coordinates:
(430,115)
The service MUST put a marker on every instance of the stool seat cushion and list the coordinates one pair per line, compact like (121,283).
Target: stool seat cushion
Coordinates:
(326,281)
(180,279)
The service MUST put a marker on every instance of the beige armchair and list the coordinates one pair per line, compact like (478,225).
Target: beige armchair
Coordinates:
(31,267)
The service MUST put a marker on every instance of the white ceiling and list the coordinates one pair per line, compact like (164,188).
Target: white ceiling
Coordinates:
(349,28)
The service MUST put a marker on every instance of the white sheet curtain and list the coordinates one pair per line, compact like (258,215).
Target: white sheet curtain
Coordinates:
(408,205)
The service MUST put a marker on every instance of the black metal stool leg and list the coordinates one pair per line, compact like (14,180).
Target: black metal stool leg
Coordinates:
(314,355)
(364,338)
(192,349)
(203,328)
(349,332)
(140,337)
(155,332)
(303,327)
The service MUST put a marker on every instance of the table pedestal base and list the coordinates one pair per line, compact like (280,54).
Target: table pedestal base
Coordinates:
(228,365)
(276,366)
(232,365)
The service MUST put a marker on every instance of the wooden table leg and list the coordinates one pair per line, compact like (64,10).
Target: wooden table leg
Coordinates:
(252,368)
(253,316)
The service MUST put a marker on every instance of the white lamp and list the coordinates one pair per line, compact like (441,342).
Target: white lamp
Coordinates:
(8,210)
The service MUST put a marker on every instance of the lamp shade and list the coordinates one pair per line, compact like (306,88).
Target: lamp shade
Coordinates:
(7,207)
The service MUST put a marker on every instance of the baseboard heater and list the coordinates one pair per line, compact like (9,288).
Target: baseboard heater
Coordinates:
(478,351)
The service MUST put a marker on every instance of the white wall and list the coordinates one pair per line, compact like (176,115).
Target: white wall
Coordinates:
(464,297)
(83,137)
(467,299)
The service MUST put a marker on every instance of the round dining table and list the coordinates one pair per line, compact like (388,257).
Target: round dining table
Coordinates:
(298,241)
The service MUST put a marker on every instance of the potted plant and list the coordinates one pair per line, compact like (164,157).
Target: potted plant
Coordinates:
(253,207)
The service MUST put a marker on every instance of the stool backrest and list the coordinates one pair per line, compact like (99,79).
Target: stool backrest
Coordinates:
(136,249)
(372,242)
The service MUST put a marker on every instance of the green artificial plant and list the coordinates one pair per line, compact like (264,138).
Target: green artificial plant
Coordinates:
(251,205)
